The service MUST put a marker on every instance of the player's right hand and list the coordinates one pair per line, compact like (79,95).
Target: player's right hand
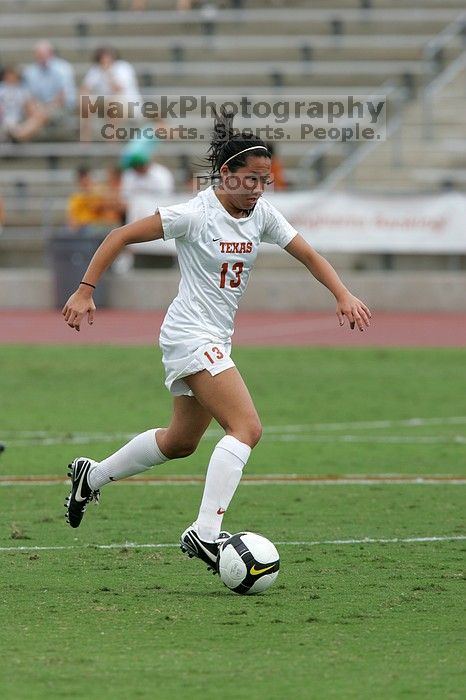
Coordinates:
(78,305)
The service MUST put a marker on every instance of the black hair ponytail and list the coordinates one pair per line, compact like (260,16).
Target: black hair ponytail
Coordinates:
(227,143)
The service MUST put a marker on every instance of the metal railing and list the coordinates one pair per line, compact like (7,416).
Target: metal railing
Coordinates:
(437,75)
(85,21)
(434,51)
(432,90)
(314,160)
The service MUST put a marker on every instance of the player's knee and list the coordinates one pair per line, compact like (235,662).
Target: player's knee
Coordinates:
(184,449)
(256,434)
(189,447)
(251,433)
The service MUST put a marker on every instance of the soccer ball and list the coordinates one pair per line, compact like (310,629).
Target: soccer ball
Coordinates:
(248,563)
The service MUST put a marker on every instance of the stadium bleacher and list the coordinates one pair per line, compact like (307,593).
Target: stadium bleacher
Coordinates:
(415,54)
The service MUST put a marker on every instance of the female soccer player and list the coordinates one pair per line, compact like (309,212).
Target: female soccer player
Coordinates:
(217,236)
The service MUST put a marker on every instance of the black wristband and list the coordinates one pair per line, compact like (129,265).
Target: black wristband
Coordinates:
(88,284)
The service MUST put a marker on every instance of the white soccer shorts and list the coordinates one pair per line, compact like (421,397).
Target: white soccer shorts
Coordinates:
(181,360)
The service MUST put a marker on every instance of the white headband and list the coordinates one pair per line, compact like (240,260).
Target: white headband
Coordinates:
(251,148)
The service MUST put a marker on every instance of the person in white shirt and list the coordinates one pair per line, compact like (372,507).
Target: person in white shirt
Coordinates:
(144,180)
(142,183)
(109,75)
(217,236)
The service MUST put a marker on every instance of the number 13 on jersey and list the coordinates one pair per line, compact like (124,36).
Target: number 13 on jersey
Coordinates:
(237,269)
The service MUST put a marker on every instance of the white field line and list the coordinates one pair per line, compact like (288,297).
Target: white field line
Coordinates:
(286,433)
(348,438)
(379,439)
(372,425)
(266,479)
(301,543)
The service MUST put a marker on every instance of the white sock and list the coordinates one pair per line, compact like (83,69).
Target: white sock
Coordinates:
(138,455)
(223,476)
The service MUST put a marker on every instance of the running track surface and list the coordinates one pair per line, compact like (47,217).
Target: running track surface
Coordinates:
(259,328)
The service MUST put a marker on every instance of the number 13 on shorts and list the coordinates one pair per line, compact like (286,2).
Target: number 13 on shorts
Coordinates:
(213,354)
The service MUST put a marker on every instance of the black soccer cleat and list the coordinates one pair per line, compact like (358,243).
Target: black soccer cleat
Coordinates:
(81,493)
(192,545)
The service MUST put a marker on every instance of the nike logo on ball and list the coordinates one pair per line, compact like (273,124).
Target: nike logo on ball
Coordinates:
(255,572)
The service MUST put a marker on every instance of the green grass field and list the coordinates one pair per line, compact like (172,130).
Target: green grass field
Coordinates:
(90,614)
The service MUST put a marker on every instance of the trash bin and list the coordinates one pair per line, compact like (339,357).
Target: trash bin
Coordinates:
(70,256)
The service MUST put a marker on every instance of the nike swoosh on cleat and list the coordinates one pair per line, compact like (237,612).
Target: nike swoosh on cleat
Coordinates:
(77,496)
(255,572)
(220,511)
(198,546)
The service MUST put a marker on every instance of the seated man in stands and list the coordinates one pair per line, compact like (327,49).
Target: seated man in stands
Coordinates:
(144,181)
(20,115)
(51,81)
(88,208)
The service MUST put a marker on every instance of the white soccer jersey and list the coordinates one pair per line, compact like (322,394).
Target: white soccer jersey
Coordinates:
(216,253)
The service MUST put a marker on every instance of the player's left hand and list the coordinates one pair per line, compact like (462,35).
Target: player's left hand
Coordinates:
(78,305)
(354,310)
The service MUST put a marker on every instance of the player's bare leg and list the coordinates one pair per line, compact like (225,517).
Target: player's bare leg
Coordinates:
(226,397)
(188,424)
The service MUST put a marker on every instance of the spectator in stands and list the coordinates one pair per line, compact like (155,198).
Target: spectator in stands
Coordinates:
(114,205)
(109,75)
(51,81)
(143,181)
(20,115)
(88,207)
(276,170)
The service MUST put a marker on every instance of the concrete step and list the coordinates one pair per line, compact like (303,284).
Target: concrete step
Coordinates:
(300,72)
(436,175)
(53,6)
(406,173)
(248,47)
(230,22)
(451,129)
